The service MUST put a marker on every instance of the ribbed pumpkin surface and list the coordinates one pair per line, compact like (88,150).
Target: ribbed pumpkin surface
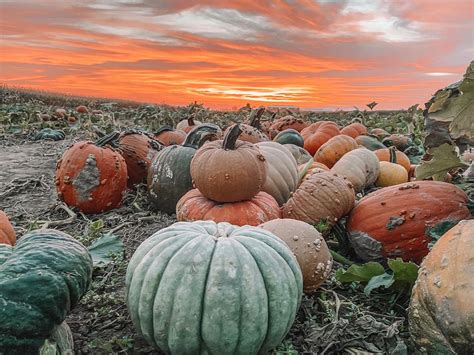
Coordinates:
(441,315)
(282,172)
(369,142)
(395,221)
(41,279)
(317,134)
(333,150)
(323,196)
(402,159)
(354,130)
(207,288)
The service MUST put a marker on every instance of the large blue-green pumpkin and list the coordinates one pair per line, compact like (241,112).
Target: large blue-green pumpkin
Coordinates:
(42,277)
(207,288)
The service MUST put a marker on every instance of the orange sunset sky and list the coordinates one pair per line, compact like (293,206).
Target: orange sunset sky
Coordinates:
(326,54)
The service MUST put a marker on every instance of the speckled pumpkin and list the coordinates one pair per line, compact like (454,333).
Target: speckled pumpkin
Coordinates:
(360,166)
(92,176)
(282,172)
(288,122)
(138,149)
(333,150)
(7,233)
(309,247)
(396,221)
(391,174)
(229,170)
(193,206)
(169,176)
(322,197)
(235,290)
(169,136)
(354,130)
(317,134)
(441,313)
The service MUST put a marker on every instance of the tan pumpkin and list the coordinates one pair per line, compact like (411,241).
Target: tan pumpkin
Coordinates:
(401,158)
(282,172)
(391,174)
(188,124)
(324,196)
(309,247)
(360,166)
(229,170)
(333,150)
(251,131)
(354,130)
(441,313)
(301,155)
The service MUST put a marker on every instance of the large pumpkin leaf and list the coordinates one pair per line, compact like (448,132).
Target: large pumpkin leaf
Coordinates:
(359,273)
(444,158)
(104,248)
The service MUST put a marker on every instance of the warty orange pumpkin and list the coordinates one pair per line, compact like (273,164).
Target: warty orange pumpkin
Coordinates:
(288,122)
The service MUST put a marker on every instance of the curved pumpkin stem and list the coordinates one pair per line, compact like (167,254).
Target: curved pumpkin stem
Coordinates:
(164,129)
(305,169)
(200,134)
(393,154)
(254,119)
(231,137)
(110,139)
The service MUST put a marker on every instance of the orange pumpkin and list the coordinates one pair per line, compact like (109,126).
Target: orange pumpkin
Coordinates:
(401,158)
(333,150)
(138,149)
(317,134)
(391,174)
(229,170)
(396,221)
(92,176)
(288,122)
(169,136)
(193,206)
(380,133)
(187,124)
(7,233)
(82,109)
(354,130)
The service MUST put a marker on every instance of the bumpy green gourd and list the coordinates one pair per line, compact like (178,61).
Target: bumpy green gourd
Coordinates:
(50,134)
(41,278)
(207,288)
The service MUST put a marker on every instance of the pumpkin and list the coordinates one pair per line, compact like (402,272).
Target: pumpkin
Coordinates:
(289,136)
(60,113)
(400,158)
(251,132)
(229,170)
(441,313)
(397,221)
(360,166)
(333,150)
(92,176)
(188,124)
(282,171)
(138,150)
(309,247)
(354,130)
(82,109)
(370,143)
(169,176)
(7,233)
(322,197)
(391,174)
(194,206)
(236,290)
(399,141)
(305,170)
(41,279)
(379,133)
(169,136)
(317,134)
(50,134)
(288,122)
(301,155)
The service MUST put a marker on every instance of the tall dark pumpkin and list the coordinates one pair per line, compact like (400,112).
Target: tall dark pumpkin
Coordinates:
(169,176)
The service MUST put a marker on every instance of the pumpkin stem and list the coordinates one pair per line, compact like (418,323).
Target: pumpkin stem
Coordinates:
(110,139)
(305,169)
(231,137)
(254,119)
(191,121)
(164,129)
(200,134)
(393,154)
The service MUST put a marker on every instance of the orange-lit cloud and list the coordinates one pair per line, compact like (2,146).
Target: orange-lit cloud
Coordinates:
(308,53)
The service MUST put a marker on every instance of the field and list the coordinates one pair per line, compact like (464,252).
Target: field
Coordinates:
(339,318)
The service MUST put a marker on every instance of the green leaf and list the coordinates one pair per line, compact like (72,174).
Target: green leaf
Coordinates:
(362,273)
(104,248)
(385,280)
(444,158)
(403,271)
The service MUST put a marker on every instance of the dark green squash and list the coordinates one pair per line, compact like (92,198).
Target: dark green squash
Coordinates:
(50,134)
(207,288)
(290,136)
(41,279)
(169,176)
(370,143)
